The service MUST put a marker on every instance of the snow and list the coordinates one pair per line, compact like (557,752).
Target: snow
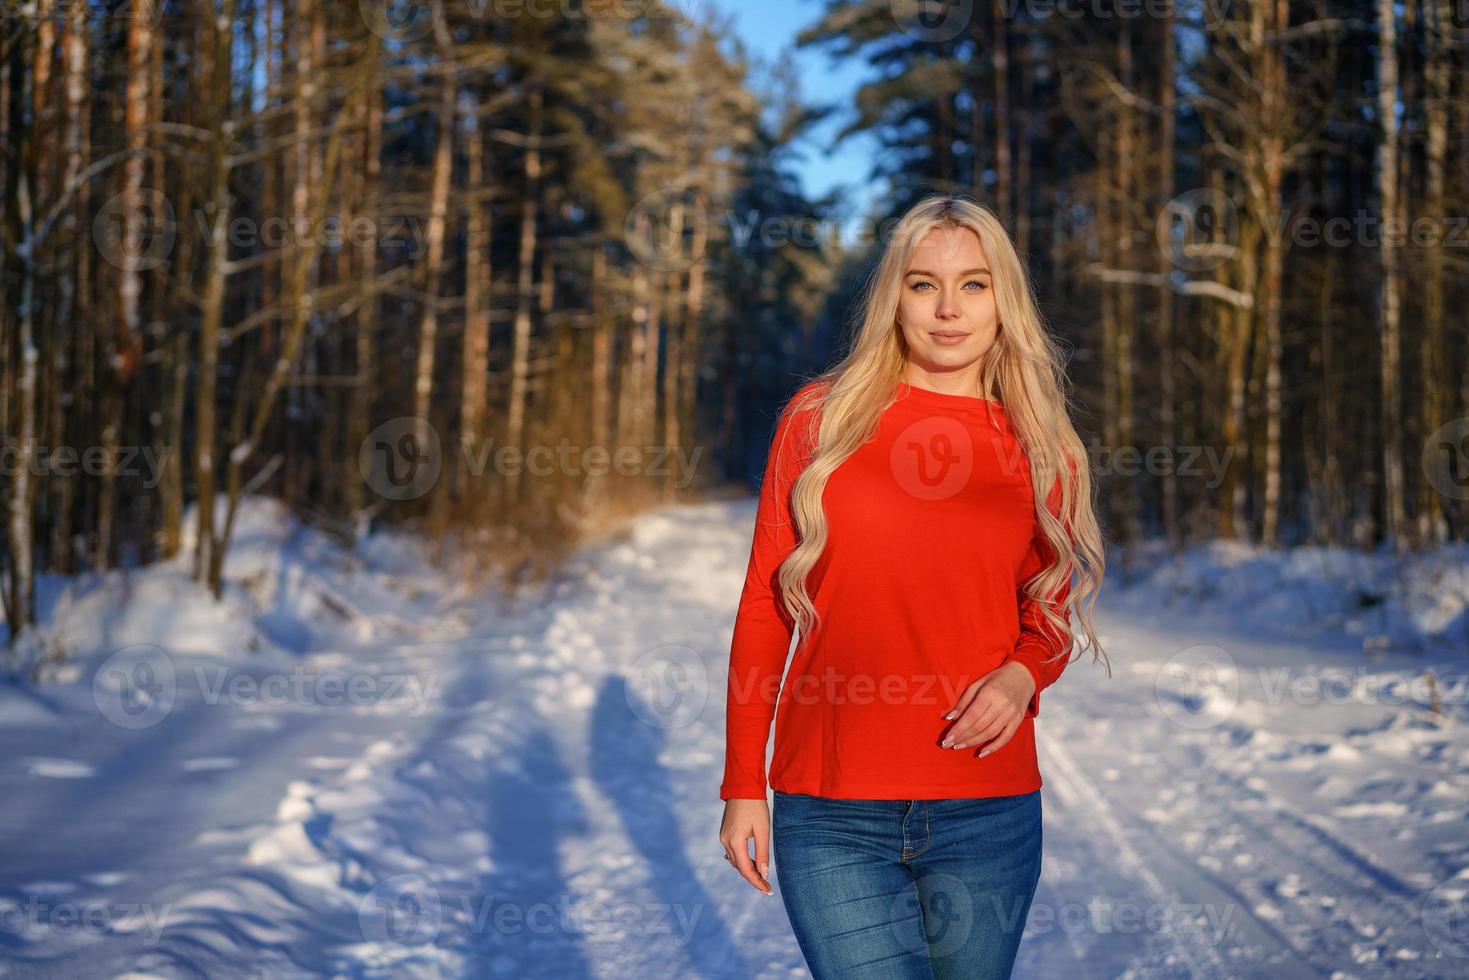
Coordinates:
(358,765)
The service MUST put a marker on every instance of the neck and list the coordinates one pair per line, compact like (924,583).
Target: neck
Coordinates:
(963,381)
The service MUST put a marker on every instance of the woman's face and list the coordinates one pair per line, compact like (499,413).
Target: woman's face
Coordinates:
(946,307)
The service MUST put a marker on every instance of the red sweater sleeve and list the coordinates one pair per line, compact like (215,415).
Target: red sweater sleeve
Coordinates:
(1038,639)
(763,628)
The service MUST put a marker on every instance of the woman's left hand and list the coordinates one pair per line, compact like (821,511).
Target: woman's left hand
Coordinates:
(991,709)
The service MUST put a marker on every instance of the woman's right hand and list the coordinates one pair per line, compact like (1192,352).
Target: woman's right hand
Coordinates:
(744,819)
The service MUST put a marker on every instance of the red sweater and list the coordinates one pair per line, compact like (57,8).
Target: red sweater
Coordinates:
(932,533)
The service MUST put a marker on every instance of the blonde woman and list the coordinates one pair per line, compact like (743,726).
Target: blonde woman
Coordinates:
(924,507)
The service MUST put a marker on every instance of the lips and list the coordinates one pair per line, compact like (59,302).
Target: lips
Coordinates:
(949,334)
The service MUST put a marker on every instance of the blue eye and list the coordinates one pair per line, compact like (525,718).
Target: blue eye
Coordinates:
(972,282)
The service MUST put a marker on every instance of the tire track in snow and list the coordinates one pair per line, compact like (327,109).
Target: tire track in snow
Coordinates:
(1307,887)
(1204,961)
(1294,846)
(1307,880)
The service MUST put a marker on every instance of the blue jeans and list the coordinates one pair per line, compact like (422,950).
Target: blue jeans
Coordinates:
(902,889)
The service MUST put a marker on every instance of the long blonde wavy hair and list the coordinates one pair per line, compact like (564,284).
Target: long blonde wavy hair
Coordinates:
(1023,370)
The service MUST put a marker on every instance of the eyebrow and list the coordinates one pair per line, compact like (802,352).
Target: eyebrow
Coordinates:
(933,275)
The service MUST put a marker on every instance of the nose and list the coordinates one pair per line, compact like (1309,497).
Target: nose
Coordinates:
(947,309)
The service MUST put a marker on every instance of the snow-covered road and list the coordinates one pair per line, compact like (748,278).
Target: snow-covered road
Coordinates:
(375,771)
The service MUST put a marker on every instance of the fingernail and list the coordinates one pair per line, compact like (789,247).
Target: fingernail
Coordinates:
(983,753)
(952,715)
(765,871)
(947,743)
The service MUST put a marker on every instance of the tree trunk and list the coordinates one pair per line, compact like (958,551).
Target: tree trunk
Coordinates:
(478,302)
(1167,385)
(126,349)
(1274,96)
(1434,360)
(1393,503)
(524,292)
(1124,329)
(601,368)
(20,605)
(211,320)
(634,365)
(672,370)
(1235,327)
(999,44)
(76,296)
(428,324)
(365,319)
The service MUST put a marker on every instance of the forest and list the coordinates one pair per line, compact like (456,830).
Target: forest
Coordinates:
(509,271)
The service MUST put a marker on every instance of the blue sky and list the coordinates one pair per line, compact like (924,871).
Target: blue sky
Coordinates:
(768,28)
